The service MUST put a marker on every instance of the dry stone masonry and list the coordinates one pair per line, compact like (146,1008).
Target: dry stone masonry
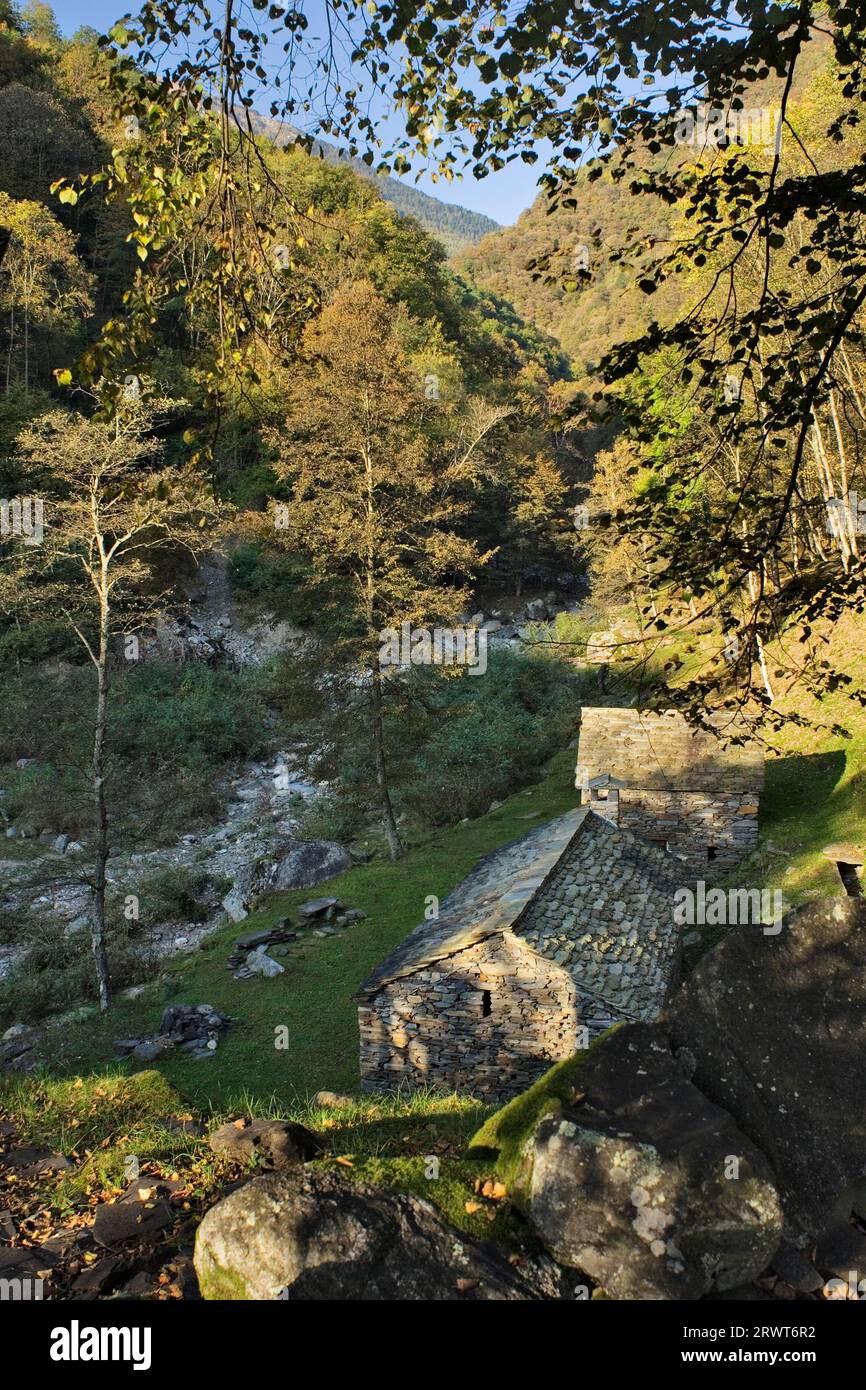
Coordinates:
(670,783)
(570,927)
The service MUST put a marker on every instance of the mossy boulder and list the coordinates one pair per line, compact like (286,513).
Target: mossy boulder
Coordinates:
(310,1234)
(627,1172)
(774,1027)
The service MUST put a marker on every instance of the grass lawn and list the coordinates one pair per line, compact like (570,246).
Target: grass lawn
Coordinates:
(314,998)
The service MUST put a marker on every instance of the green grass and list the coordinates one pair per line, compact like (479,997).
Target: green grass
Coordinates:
(814,795)
(410,1143)
(815,791)
(314,998)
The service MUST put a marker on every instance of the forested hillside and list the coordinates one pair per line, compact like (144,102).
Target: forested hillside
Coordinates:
(434,676)
(561,263)
(456,227)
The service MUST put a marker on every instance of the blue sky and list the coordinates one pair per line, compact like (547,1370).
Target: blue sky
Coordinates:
(502,196)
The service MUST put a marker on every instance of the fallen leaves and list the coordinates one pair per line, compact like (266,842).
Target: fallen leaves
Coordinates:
(492,1189)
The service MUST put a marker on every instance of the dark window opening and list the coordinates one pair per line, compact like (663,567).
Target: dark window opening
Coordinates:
(486,1005)
(711,852)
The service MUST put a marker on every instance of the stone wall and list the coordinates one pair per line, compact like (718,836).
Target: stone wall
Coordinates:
(709,834)
(490,1019)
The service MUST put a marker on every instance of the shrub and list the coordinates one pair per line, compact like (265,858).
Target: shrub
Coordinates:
(171,731)
(56,973)
(175,893)
(330,816)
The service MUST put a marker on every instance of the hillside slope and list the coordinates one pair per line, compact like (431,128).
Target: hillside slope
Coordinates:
(590,316)
(456,227)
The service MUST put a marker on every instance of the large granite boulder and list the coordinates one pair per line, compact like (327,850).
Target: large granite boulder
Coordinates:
(631,1175)
(304,863)
(312,1234)
(774,1029)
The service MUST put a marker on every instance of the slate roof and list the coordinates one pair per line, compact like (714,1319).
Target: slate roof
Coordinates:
(661,752)
(485,903)
(606,916)
(605,913)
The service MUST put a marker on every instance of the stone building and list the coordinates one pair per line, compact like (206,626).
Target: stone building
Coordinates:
(569,927)
(679,787)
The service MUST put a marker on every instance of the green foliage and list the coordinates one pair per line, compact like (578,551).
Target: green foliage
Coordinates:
(171,730)
(484,736)
(330,816)
(55,974)
(174,893)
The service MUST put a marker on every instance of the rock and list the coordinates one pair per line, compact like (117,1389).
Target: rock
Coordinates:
(260,963)
(842,1252)
(266,936)
(129,1219)
(283,1141)
(19,1054)
(332,1100)
(353,914)
(644,1184)
(30,1163)
(318,907)
(17,1030)
(176,1125)
(189,1022)
(310,1234)
(248,881)
(602,648)
(95,1279)
(61,843)
(138,1286)
(30,1262)
(233,904)
(792,1266)
(303,864)
(150,1049)
(777,1025)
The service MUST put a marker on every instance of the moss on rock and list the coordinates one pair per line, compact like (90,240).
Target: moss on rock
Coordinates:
(503,1136)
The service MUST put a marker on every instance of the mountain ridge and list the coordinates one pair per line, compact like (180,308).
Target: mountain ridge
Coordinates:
(456,227)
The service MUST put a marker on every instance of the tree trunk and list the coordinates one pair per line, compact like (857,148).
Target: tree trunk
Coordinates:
(100,956)
(395,845)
